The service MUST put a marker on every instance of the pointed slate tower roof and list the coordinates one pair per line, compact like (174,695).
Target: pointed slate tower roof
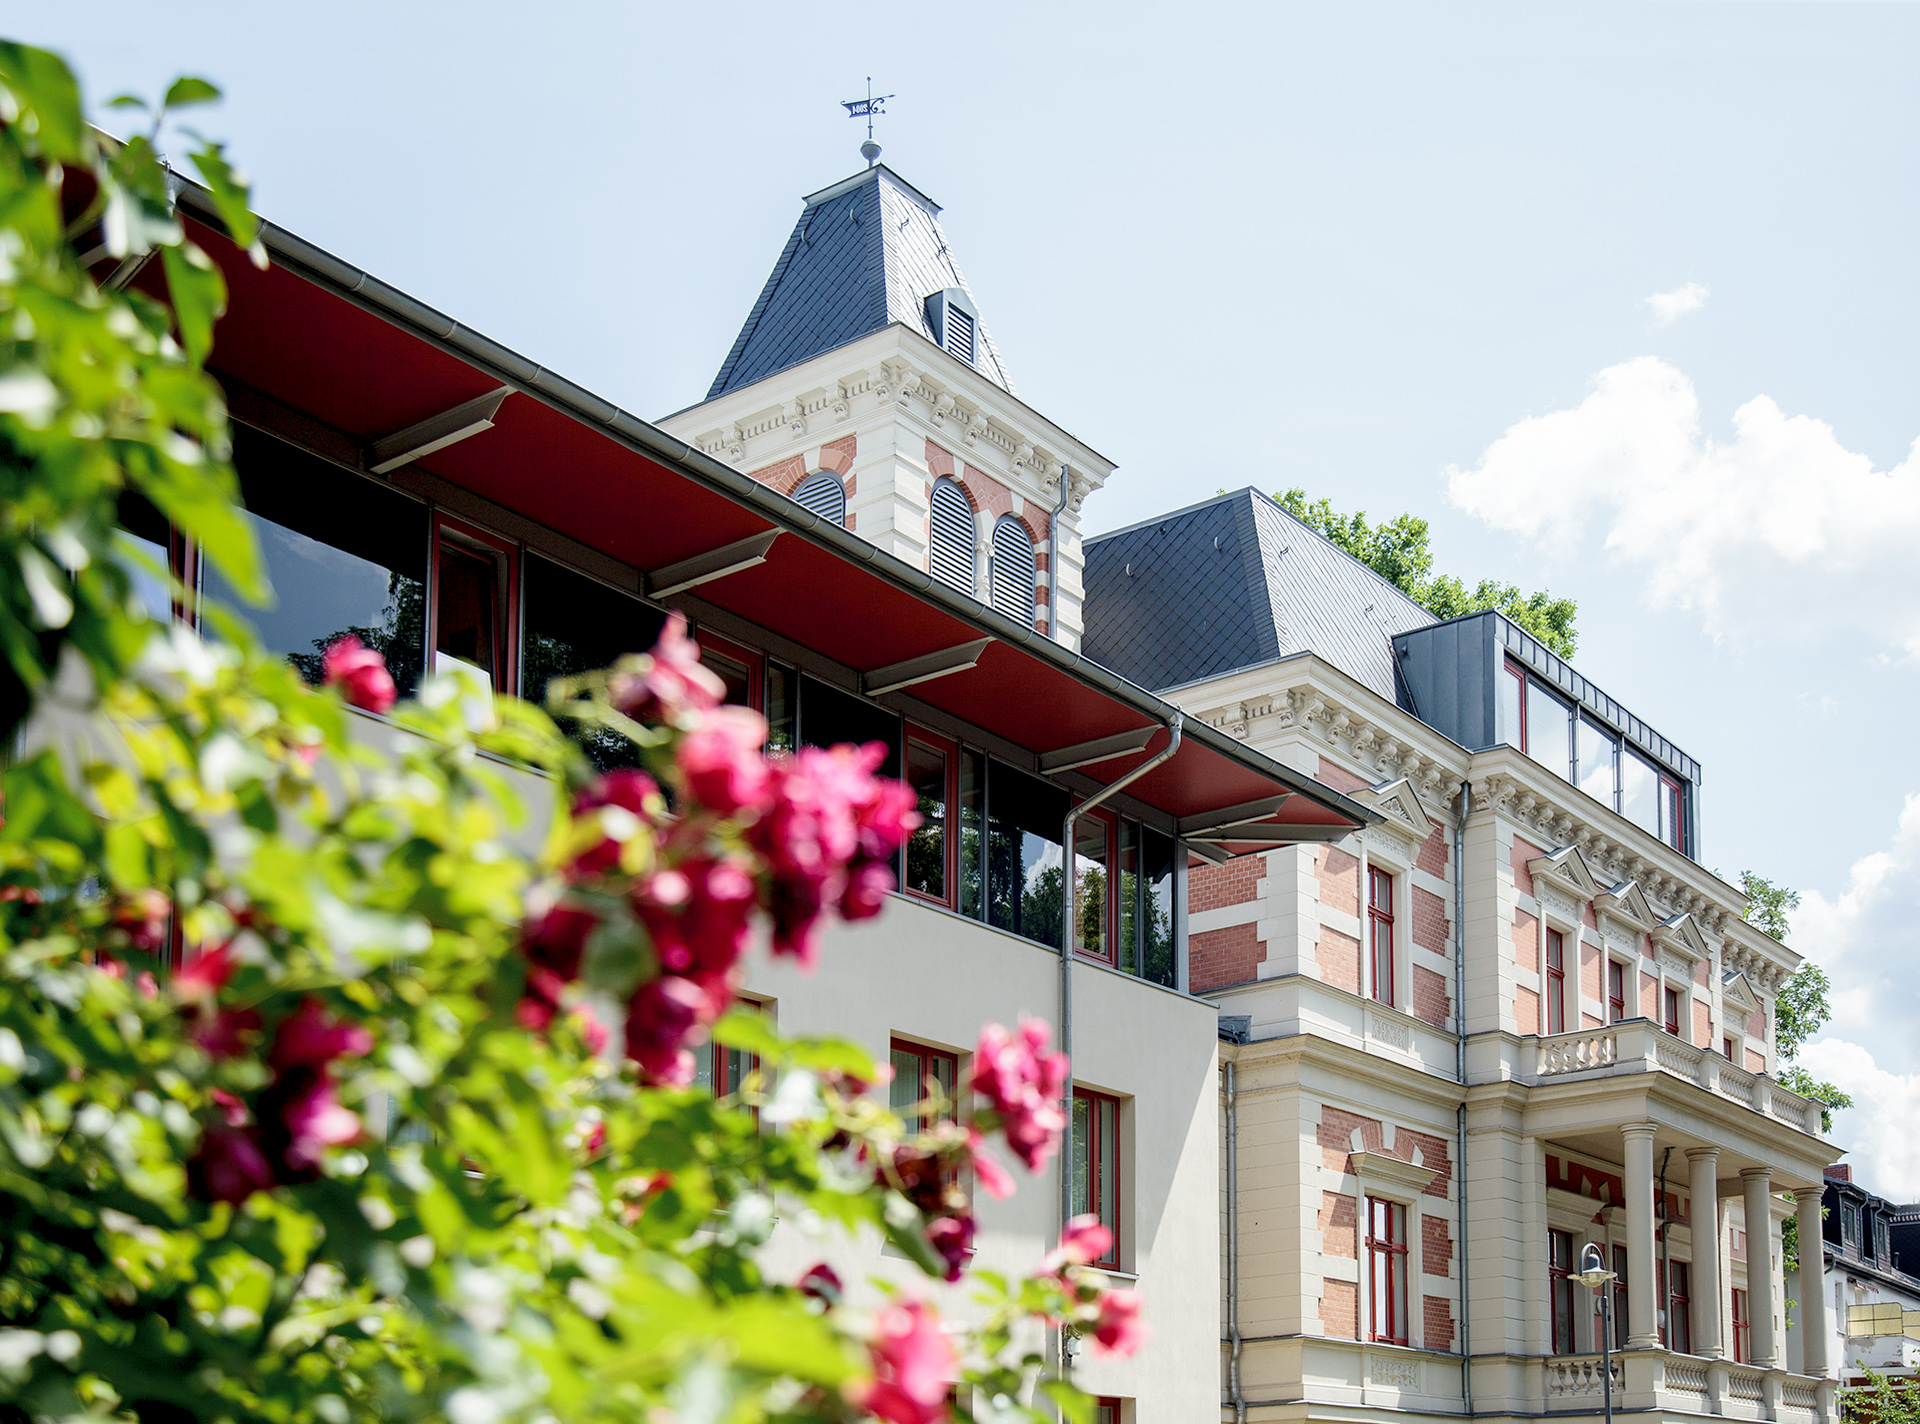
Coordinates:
(866,253)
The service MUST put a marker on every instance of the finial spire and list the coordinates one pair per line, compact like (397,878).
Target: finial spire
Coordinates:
(865,109)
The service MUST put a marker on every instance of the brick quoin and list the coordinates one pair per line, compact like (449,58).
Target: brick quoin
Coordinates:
(1526,1011)
(1333,774)
(1339,875)
(1339,958)
(987,493)
(1650,997)
(1431,1002)
(1523,852)
(1224,956)
(1526,941)
(1340,1309)
(783,476)
(1433,1151)
(939,462)
(1338,1230)
(1215,887)
(1433,854)
(1430,925)
(1702,1029)
(1436,1322)
(1589,971)
(1436,1246)
(837,455)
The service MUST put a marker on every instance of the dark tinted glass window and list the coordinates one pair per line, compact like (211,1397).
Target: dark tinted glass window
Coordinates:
(574,625)
(829,716)
(147,528)
(1156,913)
(782,707)
(345,555)
(973,818)
(469,621)
(1025,816)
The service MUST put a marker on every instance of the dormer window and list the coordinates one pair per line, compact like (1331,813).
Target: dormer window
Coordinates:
(954,324)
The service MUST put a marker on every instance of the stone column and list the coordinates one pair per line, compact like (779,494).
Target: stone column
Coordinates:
(1759,1189)
(1705,1284)
(1813,1284)
(1643,1328)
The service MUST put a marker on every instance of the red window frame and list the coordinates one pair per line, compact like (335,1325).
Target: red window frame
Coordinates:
(927,1063)
(740,656)
(1110,909)
(1616,991)
(738,1064)
(1380,934)
(1620,1298)
(1556,982)
(1670,999)
(1560,1289)
(949,824)
(1679,1326)
(471,541)
(1106,1410)
(1741,1339)
(1727,1049)
(1386,1271)
(1103,1196)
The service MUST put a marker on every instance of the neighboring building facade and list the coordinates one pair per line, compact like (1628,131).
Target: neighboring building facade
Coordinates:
(1403,1180)
(1870,1253)
(447,499)
(866,385)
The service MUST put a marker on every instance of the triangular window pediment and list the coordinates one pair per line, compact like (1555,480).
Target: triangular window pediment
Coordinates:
(1682,932)
(1400,803)
(1737,992)
(1566,868)
(1626,904)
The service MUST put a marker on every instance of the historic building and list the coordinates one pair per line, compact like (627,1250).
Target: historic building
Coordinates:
(1870,1259)
(1514,1017)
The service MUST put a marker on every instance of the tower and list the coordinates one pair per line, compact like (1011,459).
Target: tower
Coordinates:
(866,385)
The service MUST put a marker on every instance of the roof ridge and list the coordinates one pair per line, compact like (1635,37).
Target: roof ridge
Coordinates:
(1361,564)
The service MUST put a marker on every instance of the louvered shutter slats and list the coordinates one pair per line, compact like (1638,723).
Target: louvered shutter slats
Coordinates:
(823,494)
(951,552)
(959,334)
(1015,577)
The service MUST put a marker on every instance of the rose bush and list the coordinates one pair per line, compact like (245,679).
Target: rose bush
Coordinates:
(318,1100)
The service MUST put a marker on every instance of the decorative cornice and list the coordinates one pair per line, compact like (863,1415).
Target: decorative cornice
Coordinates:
(1400,803)
(1345,730)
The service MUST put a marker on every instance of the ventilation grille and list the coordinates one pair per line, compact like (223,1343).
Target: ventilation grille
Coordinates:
(959,334)
(951,558)
(1015,578)
(825,496)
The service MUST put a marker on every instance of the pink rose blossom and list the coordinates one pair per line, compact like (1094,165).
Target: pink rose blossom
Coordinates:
(952,1240)
(1083,1241)
(310,1038)
(994,1179)
(205,974)
(314,1121)
(1118,1329)
(823,1284)
(629,790)
(663,1021)
(722,761)
(868,886)
(225,1034)
(1022,1083)
(229,1165)
(912,1366)
(674,688)
(142,917)
(360,673)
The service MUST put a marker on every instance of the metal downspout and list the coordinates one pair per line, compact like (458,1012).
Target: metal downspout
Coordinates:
(1068,886)
(1233,1250)
(1460,1067)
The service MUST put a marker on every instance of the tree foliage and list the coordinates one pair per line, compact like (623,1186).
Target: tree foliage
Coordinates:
(1801,1006)
(320,1097)
(1399,551)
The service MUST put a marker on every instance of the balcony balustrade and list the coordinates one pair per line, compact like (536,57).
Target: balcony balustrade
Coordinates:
(1660,1381)
(1637,1046)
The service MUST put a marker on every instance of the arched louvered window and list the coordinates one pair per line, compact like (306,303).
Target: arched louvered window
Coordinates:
(825,496)
(951,555)
(1015,576)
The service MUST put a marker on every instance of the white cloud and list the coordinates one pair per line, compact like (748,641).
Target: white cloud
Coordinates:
(1867,938)
(1780,530)
(1669,307)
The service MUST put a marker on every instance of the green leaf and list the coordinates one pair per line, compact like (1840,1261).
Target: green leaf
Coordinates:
(186,91)
(1075,1405)
(231,197)
(45,90)
(199,296)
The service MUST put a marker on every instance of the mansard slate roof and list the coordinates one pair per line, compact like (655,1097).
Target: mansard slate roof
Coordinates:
(866,253)
(1233,583)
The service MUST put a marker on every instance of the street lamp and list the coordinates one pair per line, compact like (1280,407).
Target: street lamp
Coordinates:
(1594,1275)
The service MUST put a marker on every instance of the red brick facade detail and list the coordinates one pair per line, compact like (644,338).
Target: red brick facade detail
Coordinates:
(1338,1232)
(1340,1309)
(1431,1003)
(1700,974)
(1436,1246)
(1434,1151)
(1339,959)
(784,476)
(1590,972)
(1650,997)
(1522,853)
(837,455)
(1214,887)
(1335,1135)
(1526,1011)
(1217,958)
(1526,941)
(1333,774)
(1433,854)
(1757,1024)
(1339,875)
(1436,1322)
(1702,1028)
(1430,926)
(939,462)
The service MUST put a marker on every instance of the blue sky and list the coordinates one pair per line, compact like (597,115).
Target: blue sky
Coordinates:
(1352,248)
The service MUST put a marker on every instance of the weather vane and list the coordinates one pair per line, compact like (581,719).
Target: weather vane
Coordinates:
(865,109)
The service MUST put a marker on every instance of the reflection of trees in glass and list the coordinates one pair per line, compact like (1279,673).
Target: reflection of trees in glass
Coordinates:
(546,657)
(927,851)
(1158,947)
(400,636)
(1040,907)
(1091,916)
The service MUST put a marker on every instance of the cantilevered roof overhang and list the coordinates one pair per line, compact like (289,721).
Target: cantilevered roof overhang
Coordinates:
(334,344)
